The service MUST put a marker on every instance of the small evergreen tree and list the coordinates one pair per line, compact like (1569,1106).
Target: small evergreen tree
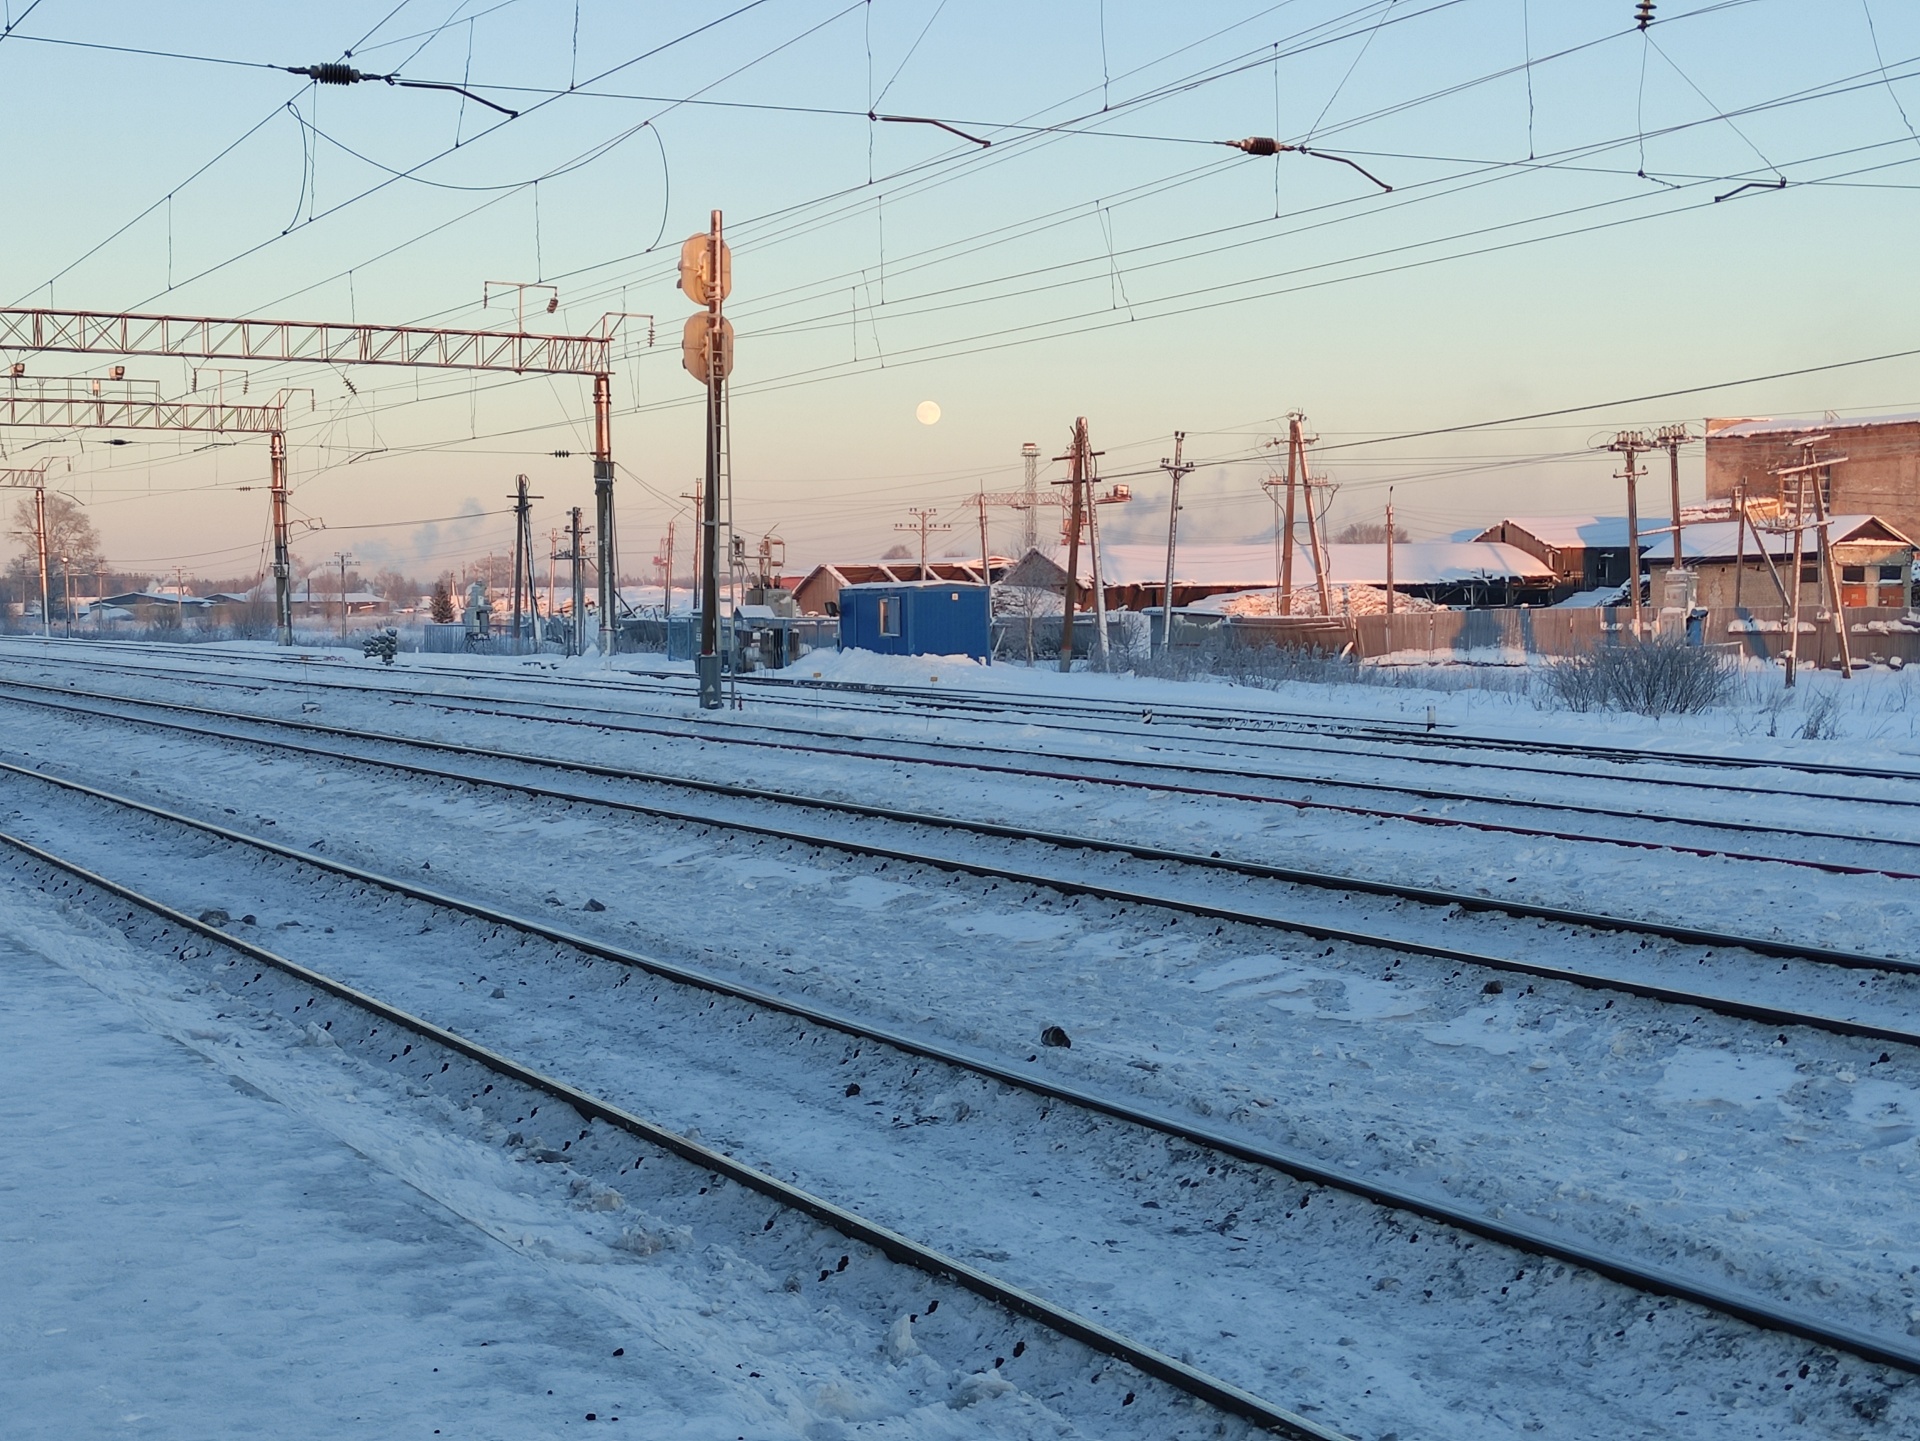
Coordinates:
(442,602)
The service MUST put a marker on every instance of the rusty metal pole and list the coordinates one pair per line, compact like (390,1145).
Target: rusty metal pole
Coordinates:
(282,560)
(708,665)
(1071,593)
(603,509)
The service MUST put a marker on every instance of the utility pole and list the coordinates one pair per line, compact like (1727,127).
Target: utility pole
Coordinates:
(695,497)
(1076,478)
(1629,444)
(1175,471)
(666,608)
(1030,520)
(40,544)
(706,350)
(1273,485)
(1739,539)
(577,635)
(986,560)
(179,598)
(343,559)
(1670,438)
(603,510)
(1389,564)
(1313,528)
(66,579)
(282,556)
(1808,471)
(553,562)
(522,557)
(923,523)
(1099,581)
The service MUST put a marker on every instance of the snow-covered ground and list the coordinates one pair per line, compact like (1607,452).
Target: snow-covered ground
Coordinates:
(1695,1142)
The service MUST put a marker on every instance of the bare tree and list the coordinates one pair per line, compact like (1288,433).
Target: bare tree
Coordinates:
(69,533)
(1369,532)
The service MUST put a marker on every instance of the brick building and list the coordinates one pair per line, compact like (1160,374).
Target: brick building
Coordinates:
(1880,475)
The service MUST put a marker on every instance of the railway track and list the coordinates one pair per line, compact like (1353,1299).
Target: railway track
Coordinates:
(1251,729)
(1151,777)
(1017,1301)
(1647,1279)
(1427,897)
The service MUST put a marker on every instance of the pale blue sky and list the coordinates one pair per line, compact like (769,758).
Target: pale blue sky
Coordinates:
(1145,282)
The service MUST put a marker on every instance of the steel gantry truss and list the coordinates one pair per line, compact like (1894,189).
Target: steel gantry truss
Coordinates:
(309,342)
(88,405)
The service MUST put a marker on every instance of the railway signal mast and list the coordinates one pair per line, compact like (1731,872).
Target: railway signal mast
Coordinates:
(706,350)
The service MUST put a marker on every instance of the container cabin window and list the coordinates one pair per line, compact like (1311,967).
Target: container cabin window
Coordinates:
(1893,573)
(889,615)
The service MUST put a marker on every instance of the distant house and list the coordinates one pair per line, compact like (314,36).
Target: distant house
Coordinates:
(1583,552)
(1472,573)
(1874,559)
(819,592)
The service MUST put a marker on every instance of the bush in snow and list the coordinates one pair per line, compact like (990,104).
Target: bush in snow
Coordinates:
(1652,678)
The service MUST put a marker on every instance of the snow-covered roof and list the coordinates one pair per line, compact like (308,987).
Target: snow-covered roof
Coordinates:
(1568,532)
(1720,539)
(1249,566)
(1740,429)
(1589,599)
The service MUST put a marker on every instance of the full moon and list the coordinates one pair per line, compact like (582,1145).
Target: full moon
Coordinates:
(928,412)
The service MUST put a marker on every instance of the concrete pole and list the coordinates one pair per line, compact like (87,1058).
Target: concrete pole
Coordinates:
(40,544)
(282,560)
(1071,592)
(1286,525)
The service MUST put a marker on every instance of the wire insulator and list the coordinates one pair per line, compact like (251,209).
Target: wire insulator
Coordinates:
(331,72)
(1643,13)
(1258,145)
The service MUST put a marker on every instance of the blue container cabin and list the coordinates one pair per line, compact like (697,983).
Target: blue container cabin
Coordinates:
(929,617)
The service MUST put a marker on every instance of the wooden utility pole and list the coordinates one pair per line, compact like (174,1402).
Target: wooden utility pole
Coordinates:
(1099,581)
(666,605)
(1808,471)
(1389,564)
(986,564)
(1076,476)
(343,560)
(1313,537)
(923,523)
(1286,544)
(1630,443)
(553,564)
(1670,438)
(1175,471)
(1739,539)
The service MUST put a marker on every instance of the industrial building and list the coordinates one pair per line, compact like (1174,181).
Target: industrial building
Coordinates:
(1874,559)
(1869,465)
(1445,572)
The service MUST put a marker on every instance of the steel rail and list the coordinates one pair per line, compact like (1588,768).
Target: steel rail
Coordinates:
(1260,870)
(1222,1395)
(1750,1309)
(1335,730)
(636,723)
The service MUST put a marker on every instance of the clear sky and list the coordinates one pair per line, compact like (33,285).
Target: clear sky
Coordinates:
(1552,239)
